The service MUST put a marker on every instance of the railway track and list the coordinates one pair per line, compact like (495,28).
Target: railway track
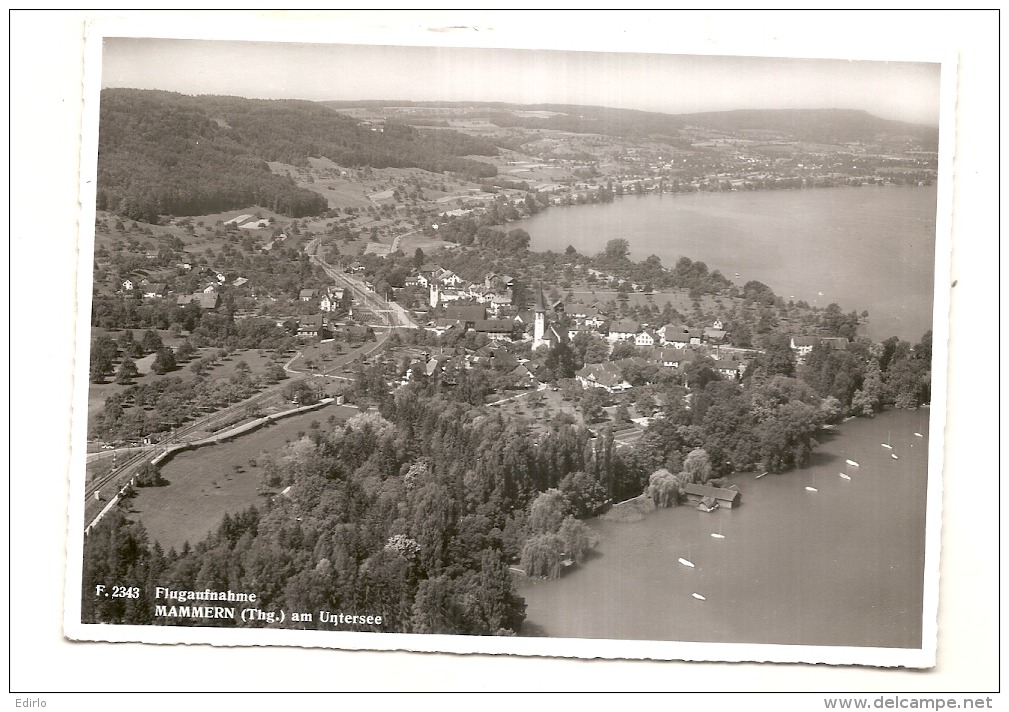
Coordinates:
(127,468)
(123,472)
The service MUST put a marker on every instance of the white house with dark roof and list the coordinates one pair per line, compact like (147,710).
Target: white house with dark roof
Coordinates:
(728,369)
(645,337)
(669,357)
(205,300)
(154,291)
(680,336)
(624,329)
(495,329)
(500,302)
(312,326)
(802,345)
(604,375)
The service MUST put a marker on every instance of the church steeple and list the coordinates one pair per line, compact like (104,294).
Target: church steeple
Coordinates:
(540,319)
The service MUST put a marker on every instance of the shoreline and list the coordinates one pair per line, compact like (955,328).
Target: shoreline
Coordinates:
(701,236)
(731,570)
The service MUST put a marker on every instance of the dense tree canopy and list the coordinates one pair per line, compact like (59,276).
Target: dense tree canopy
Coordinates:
(162,153)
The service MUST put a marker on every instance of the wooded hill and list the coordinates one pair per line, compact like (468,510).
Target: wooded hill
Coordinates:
(162,153)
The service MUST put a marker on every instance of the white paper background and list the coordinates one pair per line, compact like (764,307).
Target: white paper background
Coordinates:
(45,117)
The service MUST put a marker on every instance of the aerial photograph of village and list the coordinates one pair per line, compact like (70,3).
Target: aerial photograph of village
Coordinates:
(510,352)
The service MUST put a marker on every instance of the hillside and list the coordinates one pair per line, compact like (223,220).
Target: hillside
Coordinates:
(162,153)
(814,125)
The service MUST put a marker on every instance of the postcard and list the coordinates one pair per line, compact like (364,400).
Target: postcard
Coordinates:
(510,350)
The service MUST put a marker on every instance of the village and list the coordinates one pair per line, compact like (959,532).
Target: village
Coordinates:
(581,357)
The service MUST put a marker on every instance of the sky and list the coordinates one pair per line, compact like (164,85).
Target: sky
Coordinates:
(646,80)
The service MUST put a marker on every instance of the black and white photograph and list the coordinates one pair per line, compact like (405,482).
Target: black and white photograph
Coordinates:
(519,344)
(448,341)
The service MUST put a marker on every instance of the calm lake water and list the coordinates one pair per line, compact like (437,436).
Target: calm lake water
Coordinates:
(868,248)
(839,566)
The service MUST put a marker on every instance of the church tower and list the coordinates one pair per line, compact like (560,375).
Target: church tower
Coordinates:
(435,293)
(539,320)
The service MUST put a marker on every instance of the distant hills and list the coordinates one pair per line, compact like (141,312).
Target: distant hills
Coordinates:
(163,153)
(812,125)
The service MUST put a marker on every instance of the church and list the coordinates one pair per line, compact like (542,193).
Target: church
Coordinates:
(545,334)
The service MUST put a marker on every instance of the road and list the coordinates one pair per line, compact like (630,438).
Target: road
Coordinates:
(392,316)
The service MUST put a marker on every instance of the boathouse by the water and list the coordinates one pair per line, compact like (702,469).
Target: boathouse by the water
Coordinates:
(724,496)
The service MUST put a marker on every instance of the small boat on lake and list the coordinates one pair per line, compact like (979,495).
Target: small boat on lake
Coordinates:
(686,562)
(893,456)
(717,536)
(852,463)
(699,597)
(760,475)
(844,476)
(812,489)
(918,435)
(888,447)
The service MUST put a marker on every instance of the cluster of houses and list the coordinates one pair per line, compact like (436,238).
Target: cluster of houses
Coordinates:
(444,287)
(154,285)
(330,299)
(548,324)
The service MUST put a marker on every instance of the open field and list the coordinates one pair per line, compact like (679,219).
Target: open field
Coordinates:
(679,299)
(256,359)
(206,483)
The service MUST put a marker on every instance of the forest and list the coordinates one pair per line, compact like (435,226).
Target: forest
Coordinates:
(162,153)
(414,512)
(418,508)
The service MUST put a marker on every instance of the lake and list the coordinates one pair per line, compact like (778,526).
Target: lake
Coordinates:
(869,248)
(843,565)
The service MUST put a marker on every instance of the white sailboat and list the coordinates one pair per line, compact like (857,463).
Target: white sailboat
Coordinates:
(887,444)
(894,456)
(699,597)
(852,463)
(718,534)
(918,435)
(686,562)
(844,476)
